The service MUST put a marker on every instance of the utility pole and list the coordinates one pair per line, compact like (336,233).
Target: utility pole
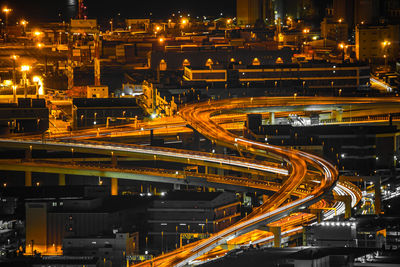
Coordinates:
(81,10)
(97,74)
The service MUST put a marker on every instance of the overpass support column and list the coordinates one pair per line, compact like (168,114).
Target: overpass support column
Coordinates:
(347,204)
(337,115)
(28,154)
(319,216)
(28,174)
(277,235)
(378,195)
(114,181)
(61,179)
(28,178)
(177,187)
(272,118)
(318,213)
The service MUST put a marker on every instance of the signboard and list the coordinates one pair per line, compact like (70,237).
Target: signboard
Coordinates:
(194,235)
(139,257)
(84,26)
(83,23)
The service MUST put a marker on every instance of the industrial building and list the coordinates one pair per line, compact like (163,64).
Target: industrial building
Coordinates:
(27,116)
(183,217)
(355,149)
(216,57)
(49,222)
(377,42)
(105,111)
(312,75)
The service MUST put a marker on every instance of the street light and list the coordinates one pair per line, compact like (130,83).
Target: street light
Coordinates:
(38,33)
(24,23)
(343,46)
(39,85)
(14,87)
(24,70)
(184,22)
(40,46)
(6,10)
(386,45)
(14,58)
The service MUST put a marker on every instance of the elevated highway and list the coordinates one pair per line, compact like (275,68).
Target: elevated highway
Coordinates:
(199,116)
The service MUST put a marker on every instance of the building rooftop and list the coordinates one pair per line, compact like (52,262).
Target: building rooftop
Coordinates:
(272,256)
(192,196)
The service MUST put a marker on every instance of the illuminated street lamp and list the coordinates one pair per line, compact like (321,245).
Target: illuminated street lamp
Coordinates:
(386,45)
(111,24)
(40,46)
(343,46)
(24,23)
(184,22)
(14,58)
(14,87)
(38,34)
(39,85)
(24,70)
(6,10)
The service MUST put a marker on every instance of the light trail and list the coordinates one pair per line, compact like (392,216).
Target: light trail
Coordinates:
(150,151)
(199,117)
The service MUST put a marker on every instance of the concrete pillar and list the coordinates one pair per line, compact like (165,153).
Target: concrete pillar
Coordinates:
(319,216)
(318,213)
(277,235)
(114,186)
(272,118)
(61,179)
(177,187)
(28,178)
(114,160)
(196,140)
(347,204)
(114,181)
(337,115)
(378,196)
(28,154)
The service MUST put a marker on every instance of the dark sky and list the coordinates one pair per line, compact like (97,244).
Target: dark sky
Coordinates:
(49,10)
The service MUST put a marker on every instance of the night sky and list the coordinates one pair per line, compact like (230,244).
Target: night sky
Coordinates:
(56,10)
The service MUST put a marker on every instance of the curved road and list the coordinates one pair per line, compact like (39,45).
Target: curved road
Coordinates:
(199,116)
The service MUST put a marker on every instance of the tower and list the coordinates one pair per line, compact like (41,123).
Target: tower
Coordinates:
(81,10)
(250,11)
(343,10)
(366,11)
